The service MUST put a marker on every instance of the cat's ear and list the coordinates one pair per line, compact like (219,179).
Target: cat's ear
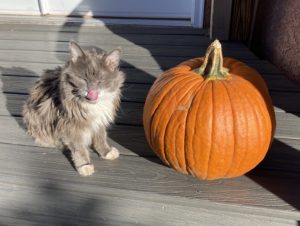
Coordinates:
(76,51)
(112,59)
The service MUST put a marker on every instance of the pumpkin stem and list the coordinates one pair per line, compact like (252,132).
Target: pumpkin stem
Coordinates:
(212,67)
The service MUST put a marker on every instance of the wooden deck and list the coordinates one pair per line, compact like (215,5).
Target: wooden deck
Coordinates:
(38,186)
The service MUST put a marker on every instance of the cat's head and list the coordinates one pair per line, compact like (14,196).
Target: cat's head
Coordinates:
(90,76)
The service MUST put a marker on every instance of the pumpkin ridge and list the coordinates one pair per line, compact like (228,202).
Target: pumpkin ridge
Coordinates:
(161,154)
(234,130)
(235,169)
(171,117)
(200,86)
(154,108)
(254,112)
(212,129)
(258,129)
(175,129)
(167,96)
(261,109)
(161,83)
(258,123)
(194,88)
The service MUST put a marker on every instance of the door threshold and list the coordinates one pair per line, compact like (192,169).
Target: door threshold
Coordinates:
(90,21)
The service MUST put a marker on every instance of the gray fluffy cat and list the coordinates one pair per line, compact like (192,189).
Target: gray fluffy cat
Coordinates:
(71,106)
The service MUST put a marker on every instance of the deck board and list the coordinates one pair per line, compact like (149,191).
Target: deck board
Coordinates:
(140,39)
(39,187)
(108,29)
(161,60)
(145,175)
(154,50)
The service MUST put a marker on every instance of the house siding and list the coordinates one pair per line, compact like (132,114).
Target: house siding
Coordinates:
(276,35)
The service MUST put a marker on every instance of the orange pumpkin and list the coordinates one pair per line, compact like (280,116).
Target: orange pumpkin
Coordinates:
(209,117)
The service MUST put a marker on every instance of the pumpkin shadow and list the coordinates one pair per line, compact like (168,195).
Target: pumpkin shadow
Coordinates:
(279,172)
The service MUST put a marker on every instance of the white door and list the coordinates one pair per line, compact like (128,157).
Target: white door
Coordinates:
(173,10)
(28,7)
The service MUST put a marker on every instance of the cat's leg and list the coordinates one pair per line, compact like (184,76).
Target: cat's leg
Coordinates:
(81,159)
(101,146)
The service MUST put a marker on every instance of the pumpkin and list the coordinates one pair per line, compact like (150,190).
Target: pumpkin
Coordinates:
(210,117)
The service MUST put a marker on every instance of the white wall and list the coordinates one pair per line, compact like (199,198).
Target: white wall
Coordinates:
(19,7)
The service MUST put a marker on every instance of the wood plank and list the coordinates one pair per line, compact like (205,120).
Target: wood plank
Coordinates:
(33,166)
(113,208)
(279,82)
(261,66)
(59,58)
(90,21)
(134,75)
(128,60)
(220,19)
(53,48)
(107,29)
(138,39)
(284,156)
(52,198)
(132,92)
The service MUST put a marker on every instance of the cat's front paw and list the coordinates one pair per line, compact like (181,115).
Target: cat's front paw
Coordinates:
(86,170)
(112,154)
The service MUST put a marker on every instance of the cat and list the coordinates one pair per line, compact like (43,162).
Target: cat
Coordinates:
(72,106)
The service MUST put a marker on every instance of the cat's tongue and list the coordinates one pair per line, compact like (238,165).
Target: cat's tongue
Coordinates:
(92,95)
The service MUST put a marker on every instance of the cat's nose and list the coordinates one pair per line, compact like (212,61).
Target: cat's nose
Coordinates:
(92,94)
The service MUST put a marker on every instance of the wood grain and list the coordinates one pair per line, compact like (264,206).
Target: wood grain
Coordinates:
(108,29)
(128,173)
(44,47)
(129,60)
(122,39)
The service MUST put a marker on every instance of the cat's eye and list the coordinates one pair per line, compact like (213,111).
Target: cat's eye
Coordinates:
(69,79)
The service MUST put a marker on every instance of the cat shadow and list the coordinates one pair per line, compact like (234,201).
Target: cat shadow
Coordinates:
(63,207)
(16,83)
